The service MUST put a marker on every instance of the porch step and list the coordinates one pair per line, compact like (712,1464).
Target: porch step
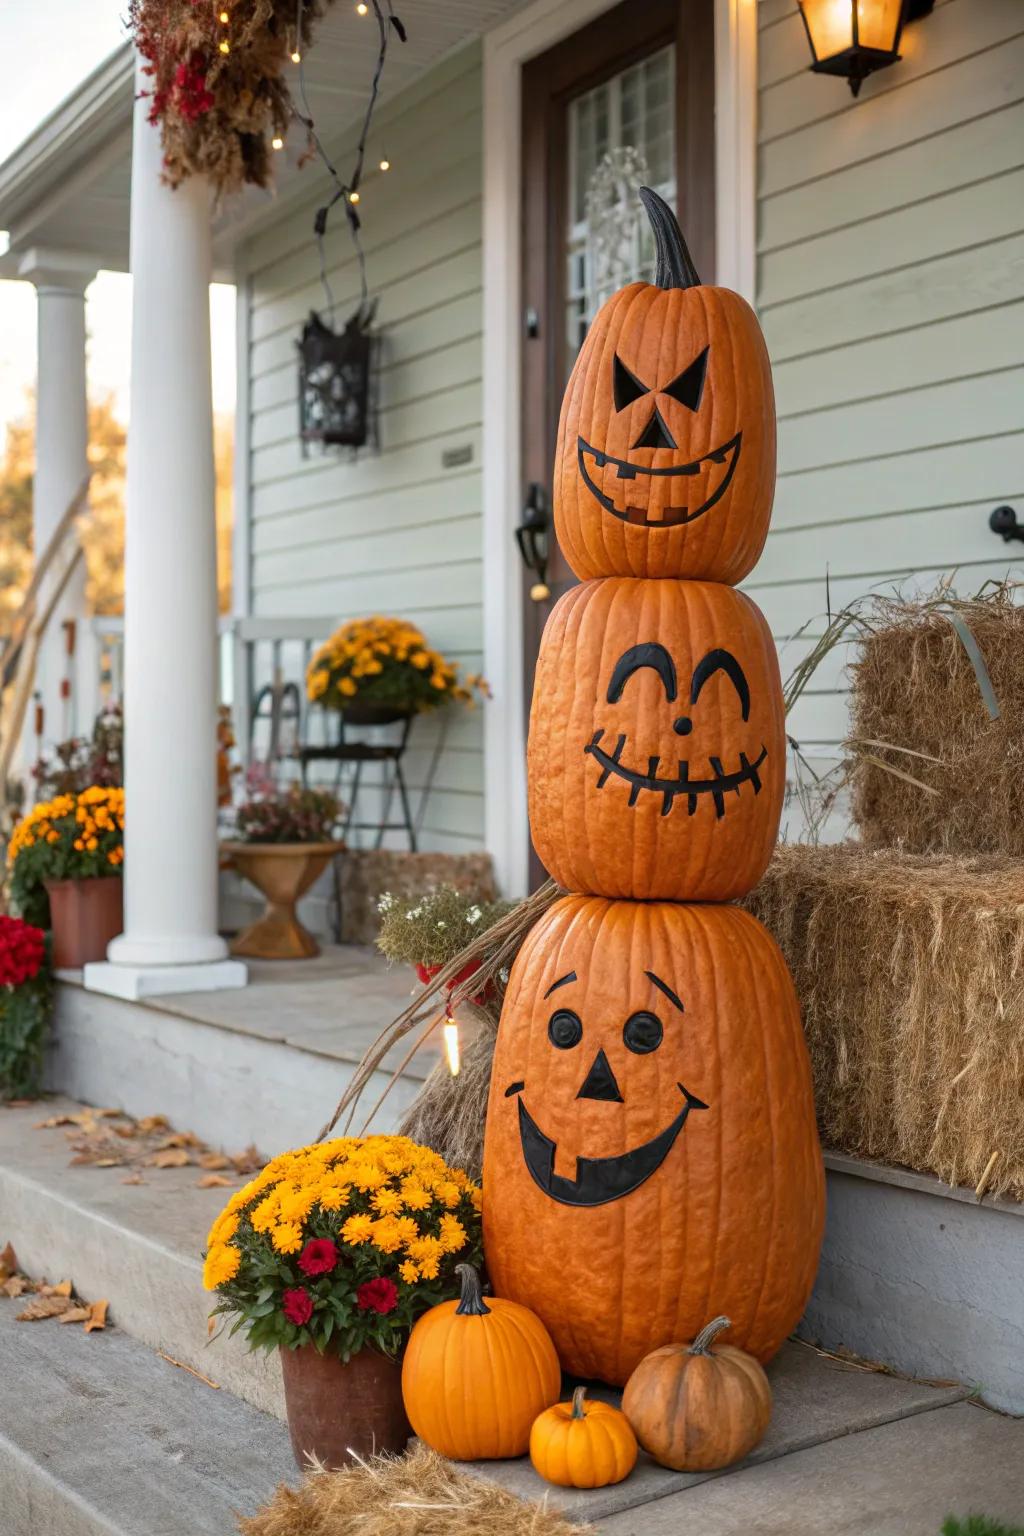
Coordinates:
(139,1246)
(100,1437)
(260,1066)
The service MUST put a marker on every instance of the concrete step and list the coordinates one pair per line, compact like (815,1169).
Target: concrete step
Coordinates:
(262,1065)
(100,1437)
(139,1246)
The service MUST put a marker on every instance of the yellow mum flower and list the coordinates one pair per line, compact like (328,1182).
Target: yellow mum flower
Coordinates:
(387,1201)
(333,1196)
(448,1193)
(221,1266)
(358,1229)
(477,1199)
(347,686)
(453,1234)
(387,1234)
(296,1204)
(414,1195)
(408,1271)
(287,1237)
(407,1228)
(427,1252)
(366,1176)
(266,1213)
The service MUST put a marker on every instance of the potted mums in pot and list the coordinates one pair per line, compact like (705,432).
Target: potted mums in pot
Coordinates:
(65,860)
(329,1256)
(285,839)
(378,670)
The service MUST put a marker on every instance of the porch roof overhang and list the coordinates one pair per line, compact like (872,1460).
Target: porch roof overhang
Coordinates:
(66,191)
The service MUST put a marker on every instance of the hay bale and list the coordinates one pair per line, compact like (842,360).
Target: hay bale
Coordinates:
(419,1494)
(914,686)
(910,974)
(366,873)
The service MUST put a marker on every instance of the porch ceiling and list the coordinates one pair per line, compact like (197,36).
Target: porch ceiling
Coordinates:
(67,187)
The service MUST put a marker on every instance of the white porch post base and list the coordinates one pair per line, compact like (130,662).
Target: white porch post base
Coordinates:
(133,982)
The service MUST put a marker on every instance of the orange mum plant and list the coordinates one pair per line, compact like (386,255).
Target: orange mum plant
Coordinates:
(72,837)
(386,663)
(343,1244)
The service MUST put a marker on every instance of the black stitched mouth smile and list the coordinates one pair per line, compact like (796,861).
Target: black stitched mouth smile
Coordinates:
(598,1179)
(669,789)
(670,517)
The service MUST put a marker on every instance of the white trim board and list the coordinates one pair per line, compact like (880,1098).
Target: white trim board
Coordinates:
(529,32)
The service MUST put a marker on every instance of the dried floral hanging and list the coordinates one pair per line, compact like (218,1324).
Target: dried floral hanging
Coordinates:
(219,92)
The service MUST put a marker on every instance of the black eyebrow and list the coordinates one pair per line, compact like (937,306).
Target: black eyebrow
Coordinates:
(648,654)
(561,982)
(664,987)
(721,661)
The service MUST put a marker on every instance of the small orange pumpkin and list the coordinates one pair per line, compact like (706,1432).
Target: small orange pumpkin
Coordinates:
(650,1140)
(477,1373)
(583,1444)
(657,756)
(665,464)
(697,1407)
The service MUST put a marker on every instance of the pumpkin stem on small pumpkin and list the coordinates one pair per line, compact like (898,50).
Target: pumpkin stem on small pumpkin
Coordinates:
(673,266)
(702,1343)
(578,1410)
(471,1301)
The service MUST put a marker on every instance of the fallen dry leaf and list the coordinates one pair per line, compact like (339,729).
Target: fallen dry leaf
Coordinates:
(174,1157)
(43,1306)
(97,1316)
(17,1285)
(62,1288)
(214,1160)
(213,1181)
(179,1139)
(76,1315)
(55,1120)
(8,1262)
(134,1178)
(150,1123)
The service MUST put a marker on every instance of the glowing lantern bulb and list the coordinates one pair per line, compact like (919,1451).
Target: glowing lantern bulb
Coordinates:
(296,56)
(224,18)
(353,197)
(224,45)
(361,8)
(277,142)
(385,164)
(451,1046)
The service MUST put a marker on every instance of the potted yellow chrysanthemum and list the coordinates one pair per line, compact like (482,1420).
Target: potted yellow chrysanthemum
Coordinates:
(329,1256)
(378,670)
(65,860)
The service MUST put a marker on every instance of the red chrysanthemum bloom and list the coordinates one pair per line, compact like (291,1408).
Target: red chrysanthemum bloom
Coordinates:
(379,1295)
(22,949)
(297,1306)
(318,1257)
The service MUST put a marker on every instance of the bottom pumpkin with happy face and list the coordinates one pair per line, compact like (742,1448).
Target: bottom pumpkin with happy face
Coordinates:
(651,1155)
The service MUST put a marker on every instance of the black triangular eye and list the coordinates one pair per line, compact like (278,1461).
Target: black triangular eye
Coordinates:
(689,386)
(626,387)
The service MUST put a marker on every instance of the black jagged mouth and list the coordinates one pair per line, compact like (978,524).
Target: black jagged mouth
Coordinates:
(598,1179)
(728,454)
(672,789)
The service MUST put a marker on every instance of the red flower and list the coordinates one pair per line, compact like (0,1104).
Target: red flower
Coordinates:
(380,1295)
(22,950)
(297,1306)
(318,1257)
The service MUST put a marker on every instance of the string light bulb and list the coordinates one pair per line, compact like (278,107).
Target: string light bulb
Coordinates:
(224,45)
(353,197)
(385,164)
(362,8)
(277,142)
(451,1047)
(296,56)
(224,18)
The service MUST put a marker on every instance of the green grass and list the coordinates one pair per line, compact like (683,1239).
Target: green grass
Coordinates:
(979,1525)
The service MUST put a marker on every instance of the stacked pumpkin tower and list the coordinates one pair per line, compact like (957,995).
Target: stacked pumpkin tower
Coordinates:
(651,1157)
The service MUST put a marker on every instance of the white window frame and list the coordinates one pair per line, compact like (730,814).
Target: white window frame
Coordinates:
(532,30)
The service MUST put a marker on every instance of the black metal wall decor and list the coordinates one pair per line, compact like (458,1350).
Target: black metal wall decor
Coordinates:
(338,382)
(853,38)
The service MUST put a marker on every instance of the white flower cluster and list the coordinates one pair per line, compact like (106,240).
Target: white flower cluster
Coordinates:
(386,902)
(473,916)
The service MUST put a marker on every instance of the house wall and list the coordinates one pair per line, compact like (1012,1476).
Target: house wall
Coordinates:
(393,531)
(890,285)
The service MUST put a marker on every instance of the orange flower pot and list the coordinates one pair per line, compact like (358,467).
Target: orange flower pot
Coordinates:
(282,873)
(84,915)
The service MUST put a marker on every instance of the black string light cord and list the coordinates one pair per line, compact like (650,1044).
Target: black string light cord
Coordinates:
(346,191)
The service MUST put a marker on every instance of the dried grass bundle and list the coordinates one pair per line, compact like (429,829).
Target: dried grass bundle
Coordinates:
(914,686)
(448,1113)
(419,1494)
(910,973)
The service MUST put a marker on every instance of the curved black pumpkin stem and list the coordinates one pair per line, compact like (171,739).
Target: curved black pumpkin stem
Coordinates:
(702,1343)
(674,266)
(471,1302)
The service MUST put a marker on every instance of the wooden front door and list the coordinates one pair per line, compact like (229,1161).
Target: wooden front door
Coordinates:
(627,99)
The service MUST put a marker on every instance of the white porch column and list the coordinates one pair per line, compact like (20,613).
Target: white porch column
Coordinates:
(60,279)
(170,942)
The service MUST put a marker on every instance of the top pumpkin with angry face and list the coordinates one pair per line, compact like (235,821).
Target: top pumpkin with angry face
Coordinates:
(665,464)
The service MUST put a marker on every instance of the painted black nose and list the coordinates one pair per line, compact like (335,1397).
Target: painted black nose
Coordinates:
(600,1081)
(656,434)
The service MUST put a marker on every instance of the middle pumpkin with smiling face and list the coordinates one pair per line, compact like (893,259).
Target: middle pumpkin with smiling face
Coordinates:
(657,741)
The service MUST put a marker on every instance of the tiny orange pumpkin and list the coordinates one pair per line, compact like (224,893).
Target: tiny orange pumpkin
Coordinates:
(477,1373)
(697,1407)
(583,1444)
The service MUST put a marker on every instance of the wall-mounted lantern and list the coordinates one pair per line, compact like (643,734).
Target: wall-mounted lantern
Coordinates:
(853,38)
(533,536)
(337,379)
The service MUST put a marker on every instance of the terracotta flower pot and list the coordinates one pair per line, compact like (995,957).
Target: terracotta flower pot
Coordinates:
(337,1408)
(282,872)
(84,915)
